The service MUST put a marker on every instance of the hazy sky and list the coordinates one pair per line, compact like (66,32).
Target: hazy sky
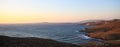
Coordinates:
(25,11)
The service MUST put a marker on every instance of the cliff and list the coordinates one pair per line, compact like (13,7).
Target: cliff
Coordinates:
(108,31)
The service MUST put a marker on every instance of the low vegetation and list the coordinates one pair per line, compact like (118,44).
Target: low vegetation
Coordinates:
(109,31)
(6,41)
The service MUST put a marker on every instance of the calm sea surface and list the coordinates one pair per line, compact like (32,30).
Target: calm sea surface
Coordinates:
(64,32)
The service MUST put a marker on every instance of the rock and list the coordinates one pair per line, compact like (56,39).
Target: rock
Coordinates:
(108,31)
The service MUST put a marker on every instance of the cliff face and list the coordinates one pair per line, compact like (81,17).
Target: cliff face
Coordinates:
(108,31)
(31,42)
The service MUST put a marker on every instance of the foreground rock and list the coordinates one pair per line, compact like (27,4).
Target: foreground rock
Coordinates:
(31,42)
(108,31)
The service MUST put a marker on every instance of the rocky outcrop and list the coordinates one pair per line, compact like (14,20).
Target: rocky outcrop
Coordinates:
(6,41)
(108,31)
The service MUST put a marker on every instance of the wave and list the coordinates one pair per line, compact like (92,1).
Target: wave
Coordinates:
(84,36)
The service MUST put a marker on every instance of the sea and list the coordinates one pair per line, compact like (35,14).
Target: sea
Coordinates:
(63,32)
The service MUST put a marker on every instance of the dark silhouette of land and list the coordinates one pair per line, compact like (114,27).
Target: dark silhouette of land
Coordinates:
(6,41)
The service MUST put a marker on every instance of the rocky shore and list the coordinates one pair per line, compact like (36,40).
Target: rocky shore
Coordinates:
(106,30)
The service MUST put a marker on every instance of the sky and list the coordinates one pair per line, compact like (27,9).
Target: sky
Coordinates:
(35,11)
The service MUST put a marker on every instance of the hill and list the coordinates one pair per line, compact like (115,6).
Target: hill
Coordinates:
(105,30)
(6,41)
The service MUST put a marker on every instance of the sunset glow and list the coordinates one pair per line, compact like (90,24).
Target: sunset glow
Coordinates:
(35,11)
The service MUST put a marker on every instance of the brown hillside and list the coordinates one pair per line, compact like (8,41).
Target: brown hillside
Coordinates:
(106,31)
(109,31)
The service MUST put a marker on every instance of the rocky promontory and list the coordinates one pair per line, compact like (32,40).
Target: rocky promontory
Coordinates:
(108,30)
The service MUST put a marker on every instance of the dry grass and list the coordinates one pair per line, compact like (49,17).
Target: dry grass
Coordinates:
(109,31)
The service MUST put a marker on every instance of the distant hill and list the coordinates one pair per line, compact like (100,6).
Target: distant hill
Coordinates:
(98,22)
(85,21)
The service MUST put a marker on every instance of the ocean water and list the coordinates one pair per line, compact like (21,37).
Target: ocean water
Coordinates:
(63,32)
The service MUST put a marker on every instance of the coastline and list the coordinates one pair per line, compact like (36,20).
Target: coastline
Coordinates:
(100,36)
(107,30)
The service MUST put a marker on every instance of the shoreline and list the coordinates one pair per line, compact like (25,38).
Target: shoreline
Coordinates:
(102,35)
(107,30)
